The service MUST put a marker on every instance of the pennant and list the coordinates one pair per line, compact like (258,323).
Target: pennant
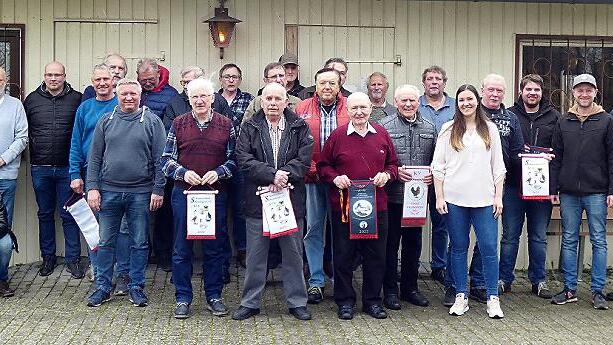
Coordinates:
(201,214)
(362,209)
(415,201)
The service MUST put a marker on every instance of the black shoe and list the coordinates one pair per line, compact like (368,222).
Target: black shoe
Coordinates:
(75,269)
(345,312)
(503,287)
(376,311)
(438,275)
(449,297)
(565,296)
(182,310)
(217,308)
(479,295)
(392,302)
(241,258)
(165,265)
(542,290)
(47,267)
(5,290)
(121,284)
(610,296)
(301,313)
(226,276)
(415,298)
(243,313)
(315,295)
(599,302)
(138,298)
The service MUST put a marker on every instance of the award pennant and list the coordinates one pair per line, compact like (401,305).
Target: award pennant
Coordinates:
(278,217)
(85,219)
(362,209)
(201,214)
(415,200)
(534,177)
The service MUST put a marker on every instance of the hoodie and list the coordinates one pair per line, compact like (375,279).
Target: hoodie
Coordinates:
(157,99)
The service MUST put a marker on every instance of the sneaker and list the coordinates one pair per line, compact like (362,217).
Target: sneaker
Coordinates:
(438,275)
(216,306)
(565,296)
(138,298)
(449,297)
(97,298)
(90,274)
(76,272)
(47,267)
(460,306)
(121,285)
(315,295)
(493,308)
(541,290)
(479,295)
(599,301)
(503,287)
(5,290)
(182,310)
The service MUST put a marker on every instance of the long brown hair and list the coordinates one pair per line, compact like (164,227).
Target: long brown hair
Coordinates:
(458,128)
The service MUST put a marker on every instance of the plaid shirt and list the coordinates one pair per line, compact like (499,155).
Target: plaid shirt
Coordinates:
(328,123)
(275,137)
(238,105)
(170,156)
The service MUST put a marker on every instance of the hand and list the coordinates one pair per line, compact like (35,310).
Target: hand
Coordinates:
(342,182)
(429,179)
(192,178)
(497,206)
(93,200)
(156,202)
(609,201)
(404,175)
(281,178)
(526,148)
(274,188)
(548,156)
(381,179)
(210,177)
(441,206)
(77,186)
(555,199)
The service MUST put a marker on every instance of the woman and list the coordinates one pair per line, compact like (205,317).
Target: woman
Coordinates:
(469,172)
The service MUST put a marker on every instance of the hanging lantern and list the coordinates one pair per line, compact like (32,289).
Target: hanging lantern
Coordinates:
(222,27)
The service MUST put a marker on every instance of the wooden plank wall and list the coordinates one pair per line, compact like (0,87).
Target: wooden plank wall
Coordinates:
(469,39)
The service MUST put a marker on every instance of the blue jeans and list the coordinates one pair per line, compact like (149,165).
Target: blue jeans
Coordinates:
(317,209)
(52,188)
(459,220)
(122,252)
(212,250)
(537,214)
(7,193)
(135,207)
(6,249)
(571,208)
(440,236)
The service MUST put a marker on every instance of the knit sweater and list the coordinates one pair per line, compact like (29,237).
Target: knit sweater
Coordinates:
(13,135)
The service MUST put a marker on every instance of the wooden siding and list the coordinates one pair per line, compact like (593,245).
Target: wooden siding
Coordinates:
(469,39)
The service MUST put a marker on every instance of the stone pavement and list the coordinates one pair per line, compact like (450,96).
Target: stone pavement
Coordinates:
(52,310)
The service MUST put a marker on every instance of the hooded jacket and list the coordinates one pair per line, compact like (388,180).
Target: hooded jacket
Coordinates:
(157,99)
(583,162)
(50,122)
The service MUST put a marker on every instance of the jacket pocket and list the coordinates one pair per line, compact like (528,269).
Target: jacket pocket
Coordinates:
(399,141)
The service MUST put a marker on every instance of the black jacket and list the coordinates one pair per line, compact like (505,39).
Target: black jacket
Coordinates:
(180,105)
(583,162)
(511,139)
(254,157)
(5,227)
(537,129)
(50,122)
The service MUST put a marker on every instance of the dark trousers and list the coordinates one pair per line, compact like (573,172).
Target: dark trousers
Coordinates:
(409,255)
(163,230)
(345,251)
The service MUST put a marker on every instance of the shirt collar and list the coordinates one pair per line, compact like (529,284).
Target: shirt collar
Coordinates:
(280,125)
(351,129)
(423,101)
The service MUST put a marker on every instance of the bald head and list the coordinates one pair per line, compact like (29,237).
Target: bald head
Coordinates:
(359,108)
(55,77)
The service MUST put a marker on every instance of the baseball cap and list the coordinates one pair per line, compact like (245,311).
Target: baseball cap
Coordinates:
(584,78)
(288,58)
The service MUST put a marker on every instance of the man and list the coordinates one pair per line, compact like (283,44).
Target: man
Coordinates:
(273,73)
(292,71)
(377,90)
(337,64)
(199,152)
(437,107)
(13,140)
(323,112)
(124,177)
(493,89)
(338,165)
(230,76)
(50,110)
(153,78)
(537,118)
(582,173)
(119,68)
(163,217)
(273,150)
(414,139)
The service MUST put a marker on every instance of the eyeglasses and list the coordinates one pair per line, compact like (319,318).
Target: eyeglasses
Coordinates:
(230,77)
(196,97)
(276,76)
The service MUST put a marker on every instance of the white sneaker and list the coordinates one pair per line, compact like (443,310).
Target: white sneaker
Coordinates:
(460,306)
(493,308)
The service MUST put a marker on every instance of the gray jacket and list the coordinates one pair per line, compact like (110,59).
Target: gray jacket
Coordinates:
(414,143)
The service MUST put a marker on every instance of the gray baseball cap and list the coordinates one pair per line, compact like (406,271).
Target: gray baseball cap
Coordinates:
(584,78)
(288,58)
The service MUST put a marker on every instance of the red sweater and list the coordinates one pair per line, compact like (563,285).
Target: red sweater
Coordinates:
(360,158)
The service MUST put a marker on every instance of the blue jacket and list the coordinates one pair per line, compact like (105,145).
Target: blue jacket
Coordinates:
(511,139)
(157,101)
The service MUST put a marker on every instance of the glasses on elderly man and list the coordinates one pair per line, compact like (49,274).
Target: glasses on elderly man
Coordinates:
(230,76)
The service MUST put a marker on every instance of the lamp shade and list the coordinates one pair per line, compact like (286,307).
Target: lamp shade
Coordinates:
(222,27)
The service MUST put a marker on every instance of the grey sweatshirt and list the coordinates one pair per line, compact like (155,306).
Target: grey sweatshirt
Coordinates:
(13,135)
(125,153)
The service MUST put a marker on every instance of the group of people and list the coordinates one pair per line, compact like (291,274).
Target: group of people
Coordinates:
(138,147)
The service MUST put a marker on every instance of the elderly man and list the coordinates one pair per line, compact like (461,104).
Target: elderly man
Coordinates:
(13,140)
(337,64)
(199,152)
(292,70)
(273,150)
(50,110)
(377,90)
(157,92)
(124,177)
(119,68)
(582,172)
(323,112)
(339,166)
(414,139)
